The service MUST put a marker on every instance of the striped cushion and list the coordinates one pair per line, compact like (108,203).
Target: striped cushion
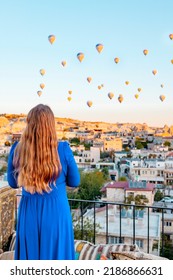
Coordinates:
(88,251)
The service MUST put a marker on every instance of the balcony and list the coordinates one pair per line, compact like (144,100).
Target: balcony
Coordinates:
(119,222)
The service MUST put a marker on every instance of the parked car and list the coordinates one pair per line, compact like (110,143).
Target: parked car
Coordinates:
(167,199)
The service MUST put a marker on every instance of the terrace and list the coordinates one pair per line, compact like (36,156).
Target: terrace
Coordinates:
(110,222)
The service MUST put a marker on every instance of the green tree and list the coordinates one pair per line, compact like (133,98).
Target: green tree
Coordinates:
(139,145)
(75,140)
(158,195)
(90,185)
(105,172)
(167,143)
(139,199)
(167,248)
(122,178)
(88,229)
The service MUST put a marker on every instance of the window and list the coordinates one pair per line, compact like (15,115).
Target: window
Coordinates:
(115,240)
(167,224)
(139,243)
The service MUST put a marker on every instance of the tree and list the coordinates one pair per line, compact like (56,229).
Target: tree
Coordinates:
(158,195)
(105,172)
(75,140)
(88,229)
(90,185)
(122,178)
(167,143)
(139,145)
(138,199)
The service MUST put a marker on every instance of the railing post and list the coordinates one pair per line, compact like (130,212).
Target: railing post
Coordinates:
(94,237)
(148,232)
(81,207)
(106,223)
(120,224)
(133,224)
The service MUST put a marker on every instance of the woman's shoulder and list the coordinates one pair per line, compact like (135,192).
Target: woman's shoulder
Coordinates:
(63,145)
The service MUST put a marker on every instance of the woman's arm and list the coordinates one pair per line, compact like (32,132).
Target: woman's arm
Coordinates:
(73,176)
(10,168)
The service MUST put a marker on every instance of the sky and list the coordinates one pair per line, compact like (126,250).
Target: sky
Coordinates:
(125,28)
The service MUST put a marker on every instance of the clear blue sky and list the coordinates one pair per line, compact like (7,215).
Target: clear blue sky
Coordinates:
(125,28)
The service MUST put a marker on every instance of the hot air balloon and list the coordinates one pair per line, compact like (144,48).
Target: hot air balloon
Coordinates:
(89,79)
(145,52)
(162,85)
(99,47)
(154,72)
(102,85)
(120,98)
(69,98)
(139,89)
(110,95)
(127,82)
(70,91)
(116,59)
(171,36)
(51,39)
(63,63)
(42,86)
(162,97)
(39,92)
(172,61)
(89,103)
(80,56)
(42,72)
(136,96)
(99,87)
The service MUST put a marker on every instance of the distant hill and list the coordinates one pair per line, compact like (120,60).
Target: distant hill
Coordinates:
(15,123)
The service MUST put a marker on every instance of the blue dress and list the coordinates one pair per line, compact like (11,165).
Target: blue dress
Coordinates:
(44,227)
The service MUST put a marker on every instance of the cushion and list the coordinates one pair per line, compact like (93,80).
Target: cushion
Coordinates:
(126,255)
(88,251)
(9,255)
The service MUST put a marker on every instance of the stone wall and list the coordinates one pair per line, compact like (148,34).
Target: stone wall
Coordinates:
(7,214)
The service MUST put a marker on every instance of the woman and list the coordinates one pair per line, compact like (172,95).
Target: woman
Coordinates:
(43,168)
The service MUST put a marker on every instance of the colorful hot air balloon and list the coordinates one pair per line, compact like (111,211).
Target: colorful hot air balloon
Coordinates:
(42,86)
(127,83)
(69,98)
(99,87)
(172,61)
(63,63)
(162,97)
(139,89)
(145,52)
(39,92)
(99,47)
(162,85)
(171,36)
(120,98)
(136,96)
(110,95)
(116,59)
(51,39)
(70,92)
(89,79)
(89,103)
(80,56)
(42,72)
(154,72)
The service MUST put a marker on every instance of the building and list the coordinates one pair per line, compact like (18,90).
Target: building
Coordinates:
(113,144)
(118,191)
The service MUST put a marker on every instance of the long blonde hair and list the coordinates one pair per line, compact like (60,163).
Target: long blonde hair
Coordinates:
(36,158)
